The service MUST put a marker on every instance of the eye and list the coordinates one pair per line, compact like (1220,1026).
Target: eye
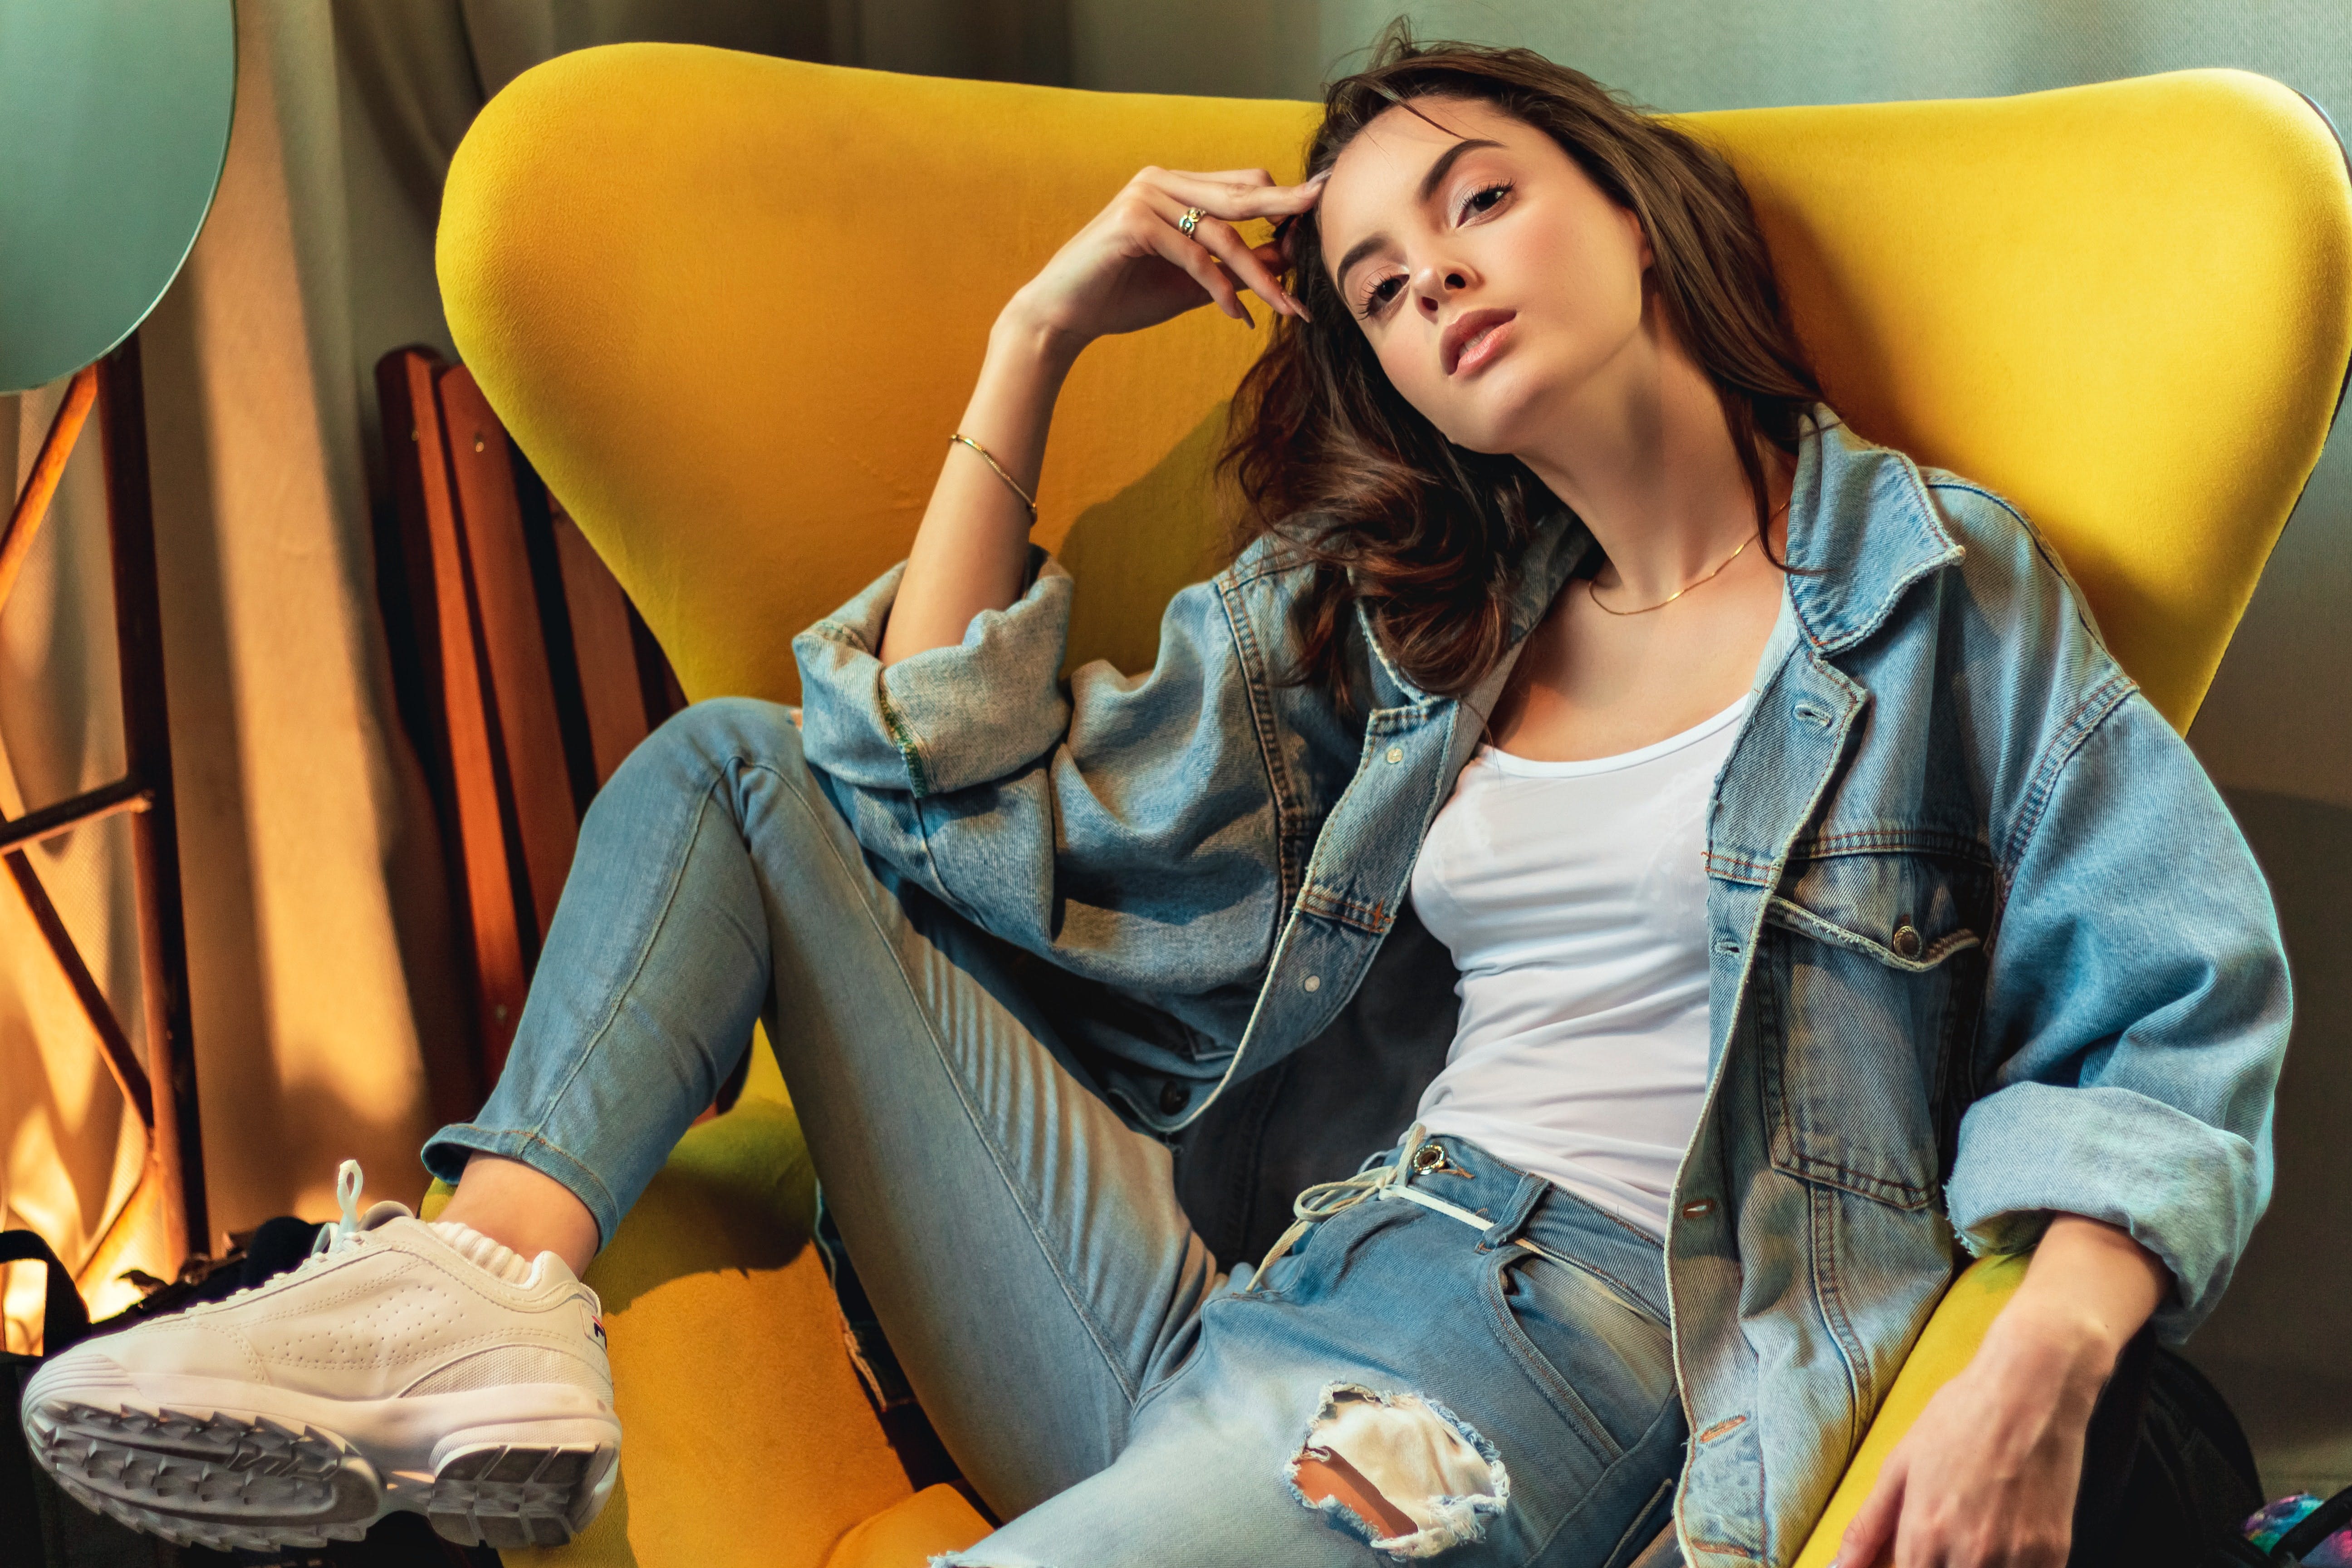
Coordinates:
(1379,294)
(1483,200)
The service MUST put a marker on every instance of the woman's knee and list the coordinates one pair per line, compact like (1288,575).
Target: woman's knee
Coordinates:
(704,740)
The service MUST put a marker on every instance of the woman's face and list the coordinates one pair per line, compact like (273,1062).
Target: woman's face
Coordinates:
(1495,281)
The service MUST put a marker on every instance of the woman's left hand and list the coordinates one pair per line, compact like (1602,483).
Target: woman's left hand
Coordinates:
(1986,1478)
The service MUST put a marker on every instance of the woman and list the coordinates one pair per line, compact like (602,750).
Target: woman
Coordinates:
(1822,895)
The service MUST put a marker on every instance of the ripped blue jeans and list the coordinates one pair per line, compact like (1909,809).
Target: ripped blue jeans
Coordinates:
(1491,1384)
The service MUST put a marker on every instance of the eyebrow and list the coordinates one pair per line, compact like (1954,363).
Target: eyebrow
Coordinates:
(1438,168)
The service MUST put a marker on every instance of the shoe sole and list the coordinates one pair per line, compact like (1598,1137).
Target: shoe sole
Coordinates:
(228,1479)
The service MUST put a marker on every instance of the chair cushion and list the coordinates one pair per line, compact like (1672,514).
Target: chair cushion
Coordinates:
(912,1532)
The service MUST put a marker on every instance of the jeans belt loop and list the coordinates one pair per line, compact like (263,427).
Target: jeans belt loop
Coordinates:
(1515,1214)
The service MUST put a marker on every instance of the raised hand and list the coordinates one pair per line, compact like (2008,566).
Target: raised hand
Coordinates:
(1132,266)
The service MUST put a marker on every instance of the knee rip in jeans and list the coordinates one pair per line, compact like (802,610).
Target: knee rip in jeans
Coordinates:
(1400,1471)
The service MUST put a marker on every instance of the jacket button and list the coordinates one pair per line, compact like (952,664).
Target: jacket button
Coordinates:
(1315,983)
(1907,941)
(1396,754)
(1173,1096)
(1698,1208)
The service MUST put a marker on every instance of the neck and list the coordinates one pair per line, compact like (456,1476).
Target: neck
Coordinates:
(1645,458)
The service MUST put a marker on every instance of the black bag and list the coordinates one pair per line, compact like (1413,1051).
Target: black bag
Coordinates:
(2168,1478)
(40,1525)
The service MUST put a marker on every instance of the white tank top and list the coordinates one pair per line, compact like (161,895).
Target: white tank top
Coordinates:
(1573,897)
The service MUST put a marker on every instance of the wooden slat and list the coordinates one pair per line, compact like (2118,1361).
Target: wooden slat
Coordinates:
(606,648)
(449,650)
(546,817)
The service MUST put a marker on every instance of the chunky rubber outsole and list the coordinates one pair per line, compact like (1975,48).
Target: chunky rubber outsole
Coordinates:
(225,1479)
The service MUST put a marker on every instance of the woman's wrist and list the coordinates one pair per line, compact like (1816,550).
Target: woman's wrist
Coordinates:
(1027,331)
(2053,1347)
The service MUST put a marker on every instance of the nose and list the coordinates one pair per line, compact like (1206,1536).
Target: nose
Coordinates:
(1436,282)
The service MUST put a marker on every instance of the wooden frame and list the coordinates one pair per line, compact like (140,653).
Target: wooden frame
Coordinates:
(162,1090)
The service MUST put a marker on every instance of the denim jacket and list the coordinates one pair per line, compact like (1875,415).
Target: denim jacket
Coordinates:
(1986,942)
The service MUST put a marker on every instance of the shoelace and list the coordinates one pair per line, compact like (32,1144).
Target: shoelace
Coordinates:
(1324,1199)
(344,1232)
(333,1237)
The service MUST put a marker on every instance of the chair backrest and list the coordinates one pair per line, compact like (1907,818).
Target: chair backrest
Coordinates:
(731,306)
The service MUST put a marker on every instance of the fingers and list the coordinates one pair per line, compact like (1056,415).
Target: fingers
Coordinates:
(1196,260)
(1235,196)
(1241,259)
(1868,1539)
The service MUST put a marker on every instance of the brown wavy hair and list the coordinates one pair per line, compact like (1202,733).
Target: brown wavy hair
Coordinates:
(1352,480)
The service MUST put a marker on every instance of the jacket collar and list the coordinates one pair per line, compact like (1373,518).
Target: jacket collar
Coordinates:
(1862,531)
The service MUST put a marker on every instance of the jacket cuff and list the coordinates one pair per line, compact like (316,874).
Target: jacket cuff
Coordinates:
(2186,1191)
(945,718)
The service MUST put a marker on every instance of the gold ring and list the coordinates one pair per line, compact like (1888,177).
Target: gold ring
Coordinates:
(1190,221)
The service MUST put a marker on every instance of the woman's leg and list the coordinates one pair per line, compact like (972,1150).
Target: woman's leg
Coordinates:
(1024,1247)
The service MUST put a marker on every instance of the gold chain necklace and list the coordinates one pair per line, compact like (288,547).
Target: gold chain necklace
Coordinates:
(1593,592)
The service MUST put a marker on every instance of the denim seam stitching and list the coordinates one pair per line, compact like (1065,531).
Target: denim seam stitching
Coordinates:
(2075,602)
(636,968)
(1829,1291)
(1634,1300)
(1373,918)
(902,736)
(995,1156)
(1288,830)
(2092,712)
(1924,840)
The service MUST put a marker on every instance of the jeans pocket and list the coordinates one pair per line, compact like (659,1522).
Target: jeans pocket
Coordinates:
(1603,1361)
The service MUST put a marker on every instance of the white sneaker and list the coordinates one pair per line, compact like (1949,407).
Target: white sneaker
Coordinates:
(400,1366)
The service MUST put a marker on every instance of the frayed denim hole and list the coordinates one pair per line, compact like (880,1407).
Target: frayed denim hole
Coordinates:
(1431,1475)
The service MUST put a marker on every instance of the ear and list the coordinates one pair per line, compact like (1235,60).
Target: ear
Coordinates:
(1641,237)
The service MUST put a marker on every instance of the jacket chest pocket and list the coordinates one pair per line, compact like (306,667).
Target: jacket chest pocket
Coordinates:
(1867,993)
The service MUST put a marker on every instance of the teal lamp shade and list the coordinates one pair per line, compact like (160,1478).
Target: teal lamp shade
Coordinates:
(113,126)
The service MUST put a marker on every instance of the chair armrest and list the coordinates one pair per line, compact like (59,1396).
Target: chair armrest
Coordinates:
(1944,1346)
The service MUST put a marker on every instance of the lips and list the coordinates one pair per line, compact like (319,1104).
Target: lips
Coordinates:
(1469,338)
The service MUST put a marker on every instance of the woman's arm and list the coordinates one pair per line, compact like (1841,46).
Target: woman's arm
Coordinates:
(1989,1472)
(1129,268)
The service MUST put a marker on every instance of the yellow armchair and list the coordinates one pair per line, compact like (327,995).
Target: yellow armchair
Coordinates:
(730,307)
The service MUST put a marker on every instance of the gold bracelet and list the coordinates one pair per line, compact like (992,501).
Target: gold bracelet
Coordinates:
(1027,498)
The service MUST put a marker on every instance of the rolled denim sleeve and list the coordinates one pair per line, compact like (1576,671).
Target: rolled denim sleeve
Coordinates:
(2139,996)
(1123,825)
(945,718)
